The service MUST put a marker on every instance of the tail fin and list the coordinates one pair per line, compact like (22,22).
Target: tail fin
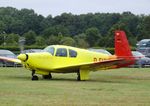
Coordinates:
(122,48)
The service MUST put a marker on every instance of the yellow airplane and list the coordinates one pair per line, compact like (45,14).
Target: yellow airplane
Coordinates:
(66,59)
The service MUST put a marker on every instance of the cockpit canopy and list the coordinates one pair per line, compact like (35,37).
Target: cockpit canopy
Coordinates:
(61,51)
(50,50)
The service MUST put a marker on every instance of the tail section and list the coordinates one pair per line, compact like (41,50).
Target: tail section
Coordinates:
(122,48)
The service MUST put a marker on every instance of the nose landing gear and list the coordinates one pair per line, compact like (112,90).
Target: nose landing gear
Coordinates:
(34,77)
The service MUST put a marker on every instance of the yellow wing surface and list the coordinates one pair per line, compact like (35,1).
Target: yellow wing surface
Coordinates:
(97,66)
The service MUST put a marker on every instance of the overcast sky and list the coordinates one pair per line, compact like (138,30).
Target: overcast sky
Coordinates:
(56,7)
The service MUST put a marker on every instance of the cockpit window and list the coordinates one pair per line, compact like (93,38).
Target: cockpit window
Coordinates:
(49,50)
(72,53)
(62,52)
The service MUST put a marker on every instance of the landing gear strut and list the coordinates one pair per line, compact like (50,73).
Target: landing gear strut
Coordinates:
(78,77)
(83,75)
(47,76)
(34,77)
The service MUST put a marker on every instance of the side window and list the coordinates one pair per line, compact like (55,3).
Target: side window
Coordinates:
(62,52)
(72,53)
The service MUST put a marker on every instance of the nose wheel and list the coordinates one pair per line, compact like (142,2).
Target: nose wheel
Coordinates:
(34,77)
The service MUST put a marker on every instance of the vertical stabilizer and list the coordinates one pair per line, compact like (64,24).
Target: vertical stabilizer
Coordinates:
(122,47)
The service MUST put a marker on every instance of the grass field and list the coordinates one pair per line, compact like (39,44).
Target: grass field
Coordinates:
(120,87)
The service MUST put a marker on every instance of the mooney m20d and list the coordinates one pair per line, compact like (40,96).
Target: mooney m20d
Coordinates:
(66,59)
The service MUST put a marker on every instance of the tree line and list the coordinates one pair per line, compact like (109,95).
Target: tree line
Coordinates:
(84,30)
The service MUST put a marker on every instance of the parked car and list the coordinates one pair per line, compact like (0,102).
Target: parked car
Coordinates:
(144,43)
(7,53)
(100,51)
(32,50)
(144,50)
(141,60)
(143,46)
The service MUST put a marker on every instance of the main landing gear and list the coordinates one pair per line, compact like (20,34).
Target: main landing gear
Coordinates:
(78,76)
(34,77)
(47,76)
(83,75)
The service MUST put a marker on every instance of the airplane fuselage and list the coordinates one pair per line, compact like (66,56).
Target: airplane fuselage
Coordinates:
(58,58)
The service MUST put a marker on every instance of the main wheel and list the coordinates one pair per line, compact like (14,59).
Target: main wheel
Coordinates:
(34,78)
(47,76)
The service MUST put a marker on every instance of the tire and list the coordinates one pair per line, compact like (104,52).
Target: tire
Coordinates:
(35,78)
(47,76)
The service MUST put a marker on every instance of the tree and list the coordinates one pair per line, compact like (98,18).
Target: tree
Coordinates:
(2,27)
(46,22)
(17,27)
(56,30)
(31,20)
(12,39)
(94,25)
(67,41)
(142,33)
(80,41)
(146,25)
(53,40)
(2,38)
(30,37)
(40,41)
(92,36)
(106,41)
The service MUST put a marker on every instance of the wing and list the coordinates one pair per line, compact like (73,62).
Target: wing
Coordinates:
(10,59)
(94,66)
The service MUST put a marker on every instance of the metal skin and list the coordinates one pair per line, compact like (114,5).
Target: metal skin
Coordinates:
(45,63)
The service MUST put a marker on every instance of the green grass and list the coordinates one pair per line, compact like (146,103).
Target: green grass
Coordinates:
(120,87)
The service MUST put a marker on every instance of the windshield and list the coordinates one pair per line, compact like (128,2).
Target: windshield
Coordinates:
(49,50)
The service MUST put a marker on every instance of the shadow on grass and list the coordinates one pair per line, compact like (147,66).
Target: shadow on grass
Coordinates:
(88,81)
(107,79)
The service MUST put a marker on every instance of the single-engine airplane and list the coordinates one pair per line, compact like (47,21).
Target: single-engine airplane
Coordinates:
(66,59)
